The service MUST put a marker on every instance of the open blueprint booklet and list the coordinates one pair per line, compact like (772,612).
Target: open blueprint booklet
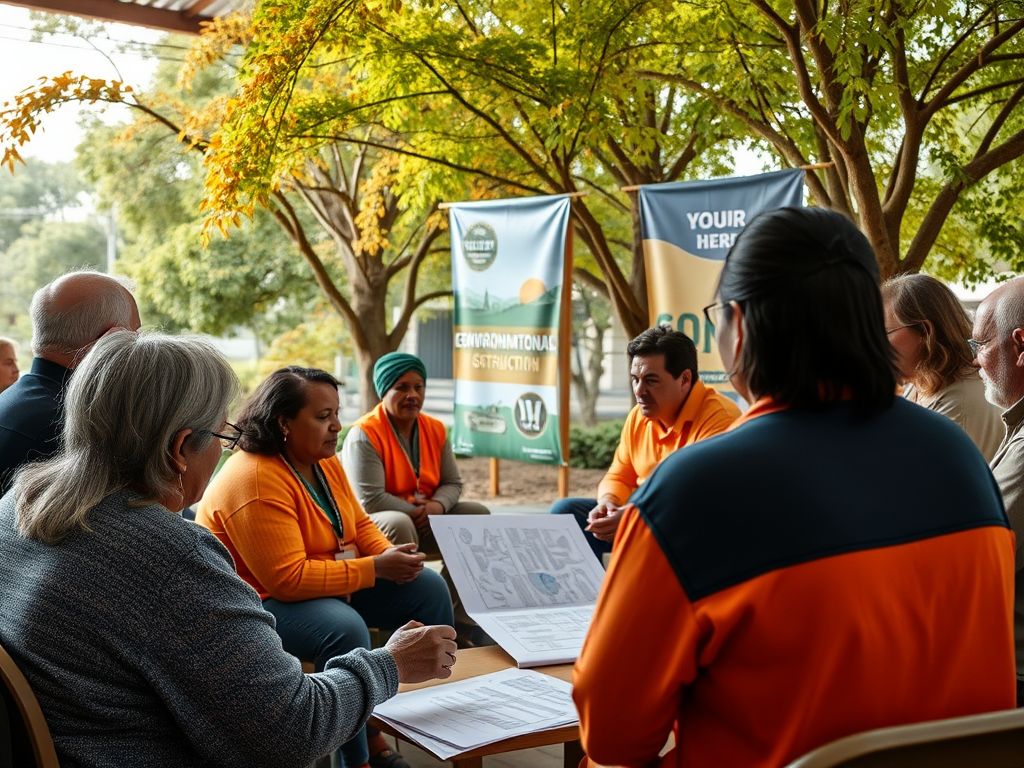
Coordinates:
(529,581)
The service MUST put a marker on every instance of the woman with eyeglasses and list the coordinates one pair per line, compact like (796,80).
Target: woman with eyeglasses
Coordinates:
(929,330)
(284,508)
(140,641)
(838,561)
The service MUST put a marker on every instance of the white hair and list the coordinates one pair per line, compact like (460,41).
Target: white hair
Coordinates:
(70,329)
(129,398)
(1008,313)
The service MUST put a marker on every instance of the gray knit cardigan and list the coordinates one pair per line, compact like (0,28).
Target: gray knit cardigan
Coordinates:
(146,649)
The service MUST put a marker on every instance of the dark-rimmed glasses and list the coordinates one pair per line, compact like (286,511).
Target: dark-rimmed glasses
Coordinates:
(715,308)
(228,442)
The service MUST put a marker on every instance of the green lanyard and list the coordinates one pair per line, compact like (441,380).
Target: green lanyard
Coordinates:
(322,497)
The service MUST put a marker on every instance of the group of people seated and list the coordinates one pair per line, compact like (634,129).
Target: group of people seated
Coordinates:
(835,559)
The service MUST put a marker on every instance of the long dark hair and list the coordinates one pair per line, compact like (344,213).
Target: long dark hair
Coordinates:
(807,281)
(282,393)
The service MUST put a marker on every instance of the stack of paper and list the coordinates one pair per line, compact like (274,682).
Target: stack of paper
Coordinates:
(530,581)
(471,713)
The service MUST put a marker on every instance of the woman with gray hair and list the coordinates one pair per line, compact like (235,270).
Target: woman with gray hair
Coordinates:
(140,641)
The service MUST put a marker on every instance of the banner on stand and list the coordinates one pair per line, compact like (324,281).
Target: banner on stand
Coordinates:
(508,262)
(688,228)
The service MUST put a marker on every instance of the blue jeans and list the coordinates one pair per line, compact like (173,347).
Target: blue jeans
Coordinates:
(580,509)
(318,630)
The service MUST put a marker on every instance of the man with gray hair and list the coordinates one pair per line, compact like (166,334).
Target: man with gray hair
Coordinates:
(998,346)
(68,316)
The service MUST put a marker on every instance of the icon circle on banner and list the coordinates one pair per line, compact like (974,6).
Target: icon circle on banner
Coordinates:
(530,415)
(479,246)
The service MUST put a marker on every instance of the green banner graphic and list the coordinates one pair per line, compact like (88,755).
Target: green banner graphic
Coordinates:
(507,265)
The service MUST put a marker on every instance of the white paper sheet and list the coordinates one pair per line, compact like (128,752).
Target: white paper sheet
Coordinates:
(530,581)
(481,710)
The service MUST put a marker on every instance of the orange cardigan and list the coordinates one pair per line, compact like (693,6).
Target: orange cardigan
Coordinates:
(399,476)
(282,542)
(644,444)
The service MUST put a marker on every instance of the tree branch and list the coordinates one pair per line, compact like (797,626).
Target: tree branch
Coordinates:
(972,65)
(289,221)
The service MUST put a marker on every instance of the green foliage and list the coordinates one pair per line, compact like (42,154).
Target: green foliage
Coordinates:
(253,280)
(312,344)
(42,189)
(910,105)
(47,249)
(522,98)
(36,243)
(594,447)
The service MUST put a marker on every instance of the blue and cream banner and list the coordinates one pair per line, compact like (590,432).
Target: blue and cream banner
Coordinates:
(508,261)
(688,228)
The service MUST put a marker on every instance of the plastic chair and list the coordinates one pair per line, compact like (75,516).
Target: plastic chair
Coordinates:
(28,741)
(990,740)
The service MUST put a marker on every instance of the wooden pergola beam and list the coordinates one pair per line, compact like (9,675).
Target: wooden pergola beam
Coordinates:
(186,21)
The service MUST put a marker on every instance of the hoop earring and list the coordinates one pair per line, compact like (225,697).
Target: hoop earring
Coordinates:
(181,491)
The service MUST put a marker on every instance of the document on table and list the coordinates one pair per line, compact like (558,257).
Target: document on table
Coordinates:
(453,718)
(530,581)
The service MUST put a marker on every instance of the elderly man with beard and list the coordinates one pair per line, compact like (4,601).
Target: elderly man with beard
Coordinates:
(998,346)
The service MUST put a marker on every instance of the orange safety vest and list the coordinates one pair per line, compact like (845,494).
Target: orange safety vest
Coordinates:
(399,476)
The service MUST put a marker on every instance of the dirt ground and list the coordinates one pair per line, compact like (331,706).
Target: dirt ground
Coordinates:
(523,483)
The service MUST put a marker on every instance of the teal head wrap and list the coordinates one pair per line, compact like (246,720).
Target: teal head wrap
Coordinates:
(392,366)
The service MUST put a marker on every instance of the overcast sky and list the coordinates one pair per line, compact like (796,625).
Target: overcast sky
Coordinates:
(23,62)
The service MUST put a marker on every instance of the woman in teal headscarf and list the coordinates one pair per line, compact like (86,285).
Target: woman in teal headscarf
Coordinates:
(401,466)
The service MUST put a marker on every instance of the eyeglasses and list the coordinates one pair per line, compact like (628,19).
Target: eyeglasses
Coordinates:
(716,309)
(228,442)
(891,331)
(976,346)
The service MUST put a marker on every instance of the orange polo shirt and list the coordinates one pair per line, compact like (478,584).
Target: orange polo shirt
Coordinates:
(828,593)
(644,443)
(283,544)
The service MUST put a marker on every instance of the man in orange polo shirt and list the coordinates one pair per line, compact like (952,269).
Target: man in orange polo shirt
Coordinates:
(673,409)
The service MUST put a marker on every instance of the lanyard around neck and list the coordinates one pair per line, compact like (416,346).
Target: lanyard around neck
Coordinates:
(324,500)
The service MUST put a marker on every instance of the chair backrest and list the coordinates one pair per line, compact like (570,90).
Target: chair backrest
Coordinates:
(28,741)
(991,740)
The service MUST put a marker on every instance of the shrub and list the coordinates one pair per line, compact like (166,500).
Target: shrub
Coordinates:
(594,447)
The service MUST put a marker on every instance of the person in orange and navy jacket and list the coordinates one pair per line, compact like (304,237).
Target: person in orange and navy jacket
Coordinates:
(673,409)
(838,561)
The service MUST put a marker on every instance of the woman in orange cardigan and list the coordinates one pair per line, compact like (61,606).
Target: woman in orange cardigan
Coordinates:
(286,512)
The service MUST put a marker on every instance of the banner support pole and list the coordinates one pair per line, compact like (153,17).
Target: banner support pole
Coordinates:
(495,478)
(564,370)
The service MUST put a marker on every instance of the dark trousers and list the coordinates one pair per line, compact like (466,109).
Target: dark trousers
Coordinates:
(580,509)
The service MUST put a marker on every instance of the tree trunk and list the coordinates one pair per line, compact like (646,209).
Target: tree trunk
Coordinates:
(587,377)
(369,303)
